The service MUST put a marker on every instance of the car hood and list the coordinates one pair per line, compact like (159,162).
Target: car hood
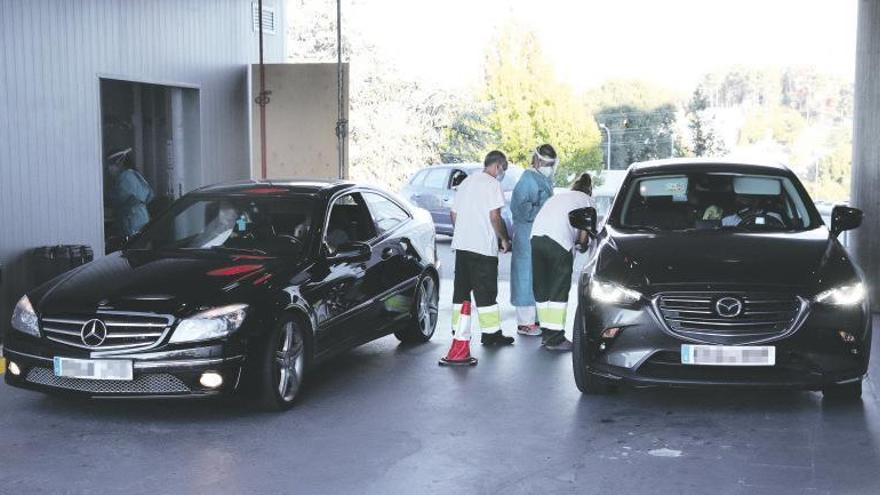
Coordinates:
(157,282)
(802,259)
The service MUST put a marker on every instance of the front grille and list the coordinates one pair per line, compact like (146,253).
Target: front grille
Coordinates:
(156,383)
(763,315)
(125,331)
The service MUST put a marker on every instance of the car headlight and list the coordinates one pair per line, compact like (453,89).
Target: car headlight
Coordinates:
(845,295)
(611,293)
(211,324)
(24,318)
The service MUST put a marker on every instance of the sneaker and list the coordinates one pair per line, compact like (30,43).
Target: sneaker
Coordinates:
(563,345)
(532,330)
(496,338)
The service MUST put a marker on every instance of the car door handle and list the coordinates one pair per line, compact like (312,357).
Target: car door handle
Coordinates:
(388,253)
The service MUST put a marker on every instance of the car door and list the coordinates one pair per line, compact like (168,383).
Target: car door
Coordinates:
(414,190)
(398,270)
(436,196)
(349,274)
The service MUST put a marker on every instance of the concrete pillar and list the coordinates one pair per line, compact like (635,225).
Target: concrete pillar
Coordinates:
(866,145)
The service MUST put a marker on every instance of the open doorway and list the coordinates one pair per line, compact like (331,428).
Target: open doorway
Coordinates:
(150,139)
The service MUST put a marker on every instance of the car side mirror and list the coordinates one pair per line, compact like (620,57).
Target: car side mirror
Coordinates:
(845,218)
(119,243)
(350,251)
(583,219)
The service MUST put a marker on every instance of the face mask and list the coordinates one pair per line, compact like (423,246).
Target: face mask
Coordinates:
(547,171)
(501,174)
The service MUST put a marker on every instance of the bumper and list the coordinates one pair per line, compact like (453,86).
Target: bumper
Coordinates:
(646,353)
(168,374)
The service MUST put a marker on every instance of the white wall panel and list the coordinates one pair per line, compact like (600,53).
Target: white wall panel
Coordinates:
(52,54)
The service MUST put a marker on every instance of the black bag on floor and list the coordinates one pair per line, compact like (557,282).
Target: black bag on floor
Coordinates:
(48,262)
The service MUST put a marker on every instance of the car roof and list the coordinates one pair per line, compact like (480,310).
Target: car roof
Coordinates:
(707,164)
(278,186)
(461,165)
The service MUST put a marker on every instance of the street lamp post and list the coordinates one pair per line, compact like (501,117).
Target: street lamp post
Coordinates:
(607,146)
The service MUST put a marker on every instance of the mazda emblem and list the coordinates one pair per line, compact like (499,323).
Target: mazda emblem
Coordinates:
(728,307)
(93,333)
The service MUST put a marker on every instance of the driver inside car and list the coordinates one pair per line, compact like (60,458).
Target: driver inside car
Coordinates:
(751,207)
(220,228)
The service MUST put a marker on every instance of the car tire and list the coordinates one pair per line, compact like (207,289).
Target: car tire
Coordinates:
(845,392)
(282,366)
(423,321)
(586,382)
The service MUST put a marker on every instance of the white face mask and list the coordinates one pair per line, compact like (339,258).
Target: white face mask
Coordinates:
(547,171)
(501,174)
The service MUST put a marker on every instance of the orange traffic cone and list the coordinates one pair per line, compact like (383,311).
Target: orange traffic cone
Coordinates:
(460,352)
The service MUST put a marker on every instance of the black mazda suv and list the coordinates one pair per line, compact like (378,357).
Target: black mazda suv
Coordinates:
(720,274)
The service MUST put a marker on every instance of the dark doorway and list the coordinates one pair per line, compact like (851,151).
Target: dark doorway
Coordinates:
(154,130)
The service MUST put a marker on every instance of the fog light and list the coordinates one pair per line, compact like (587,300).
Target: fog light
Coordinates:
(846,337)
(211,379)
(13,368)
(610,333)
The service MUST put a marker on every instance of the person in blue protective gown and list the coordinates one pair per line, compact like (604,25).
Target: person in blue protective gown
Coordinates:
(130,193)
(533,189)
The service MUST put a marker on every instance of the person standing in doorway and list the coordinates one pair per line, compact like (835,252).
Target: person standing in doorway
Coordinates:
(480,234)
(553,240)
(130,193)
(533,189)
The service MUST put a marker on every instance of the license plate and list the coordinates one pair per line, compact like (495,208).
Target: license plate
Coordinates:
(728,355)
(95,369)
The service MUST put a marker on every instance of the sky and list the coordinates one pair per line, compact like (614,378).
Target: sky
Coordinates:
(671,43)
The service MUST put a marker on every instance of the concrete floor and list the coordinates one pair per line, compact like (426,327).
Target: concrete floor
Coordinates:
(385,418)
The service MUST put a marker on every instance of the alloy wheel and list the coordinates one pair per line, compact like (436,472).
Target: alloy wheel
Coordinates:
(289,362)
(428,306)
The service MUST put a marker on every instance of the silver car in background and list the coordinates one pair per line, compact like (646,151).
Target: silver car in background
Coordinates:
(433,188)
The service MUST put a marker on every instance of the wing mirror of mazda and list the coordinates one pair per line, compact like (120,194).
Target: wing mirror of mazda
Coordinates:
(350,251)
(845,218)
(583,219)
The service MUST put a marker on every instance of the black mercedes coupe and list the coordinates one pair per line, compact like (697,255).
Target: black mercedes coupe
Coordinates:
(712,273)
(241,286)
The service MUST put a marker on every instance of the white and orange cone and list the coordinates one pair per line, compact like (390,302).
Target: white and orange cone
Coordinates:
(460,352)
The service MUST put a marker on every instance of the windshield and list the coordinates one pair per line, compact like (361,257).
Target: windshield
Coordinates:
(233,223)
(715,201)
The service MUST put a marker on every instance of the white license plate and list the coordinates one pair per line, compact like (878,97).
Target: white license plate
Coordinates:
(95,369)
(728,355)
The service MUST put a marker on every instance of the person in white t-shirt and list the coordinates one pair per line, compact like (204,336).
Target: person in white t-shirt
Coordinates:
(553,239)
(479,229)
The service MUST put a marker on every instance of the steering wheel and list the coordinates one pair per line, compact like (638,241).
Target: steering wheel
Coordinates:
(292,239)
(751,218)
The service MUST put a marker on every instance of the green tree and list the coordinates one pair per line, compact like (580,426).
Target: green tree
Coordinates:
(529,106)
(467,135)
(743,86)
(638,134)
(833,172)
(704,141)
(780,123)
(635,93)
